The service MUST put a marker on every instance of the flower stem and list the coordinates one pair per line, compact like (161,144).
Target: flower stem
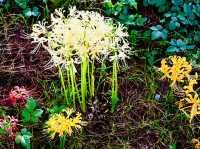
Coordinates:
(84,66)
(114,96)
(62,142)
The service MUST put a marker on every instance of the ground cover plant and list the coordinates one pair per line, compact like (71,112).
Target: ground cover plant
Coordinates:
(99,74)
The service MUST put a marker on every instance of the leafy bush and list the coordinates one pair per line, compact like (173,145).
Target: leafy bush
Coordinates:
(30,114)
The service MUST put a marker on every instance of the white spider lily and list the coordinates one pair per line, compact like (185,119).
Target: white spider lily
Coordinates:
(82,38)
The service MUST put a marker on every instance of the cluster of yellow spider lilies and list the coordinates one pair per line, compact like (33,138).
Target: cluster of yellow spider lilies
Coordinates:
(178,70)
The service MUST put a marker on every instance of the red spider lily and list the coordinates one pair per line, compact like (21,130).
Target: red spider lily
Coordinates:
(9,124)
(18,94)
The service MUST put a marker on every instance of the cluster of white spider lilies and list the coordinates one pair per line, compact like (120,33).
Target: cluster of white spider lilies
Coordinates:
(83,38)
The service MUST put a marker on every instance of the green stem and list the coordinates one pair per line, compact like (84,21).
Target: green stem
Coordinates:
(62,142)
(73,89)
(89,77)
(92,80)
(114,86)
(62,80)
(84,65)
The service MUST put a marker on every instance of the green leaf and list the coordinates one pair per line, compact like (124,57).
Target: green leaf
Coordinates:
(172,146)
(177,2)
(18,138)
(180,43)
(159,34)
(197,36)
(26,115)
(31,104)
(172,49)
(45,1)
(57,109)
(156,35)
(156,28)
(188,10)
(36,115)
(27,12)
(173,25)
(115,100)
(132,3)
(22,3)
(108,5)
(35,11)
(24,131)
(24,138)
(140,21)
(196,9)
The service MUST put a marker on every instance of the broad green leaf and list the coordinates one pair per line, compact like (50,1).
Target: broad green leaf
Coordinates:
(173,25)
(24,131)
(18,138)
(159,34)
(177,2)
(188,10)
(108,5)
(31,104)
(115,100)
(26,141)
(24,137)
(36,115)
(196,9)
(132,3)
(22,3)
(197,36)
(156,28)
(26,115)
(35,11)
(57,109)
(172,49)
(180,43)
(45,1)
(172,146)
(27,12)
(181,17)
(156,35)
(140,21)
